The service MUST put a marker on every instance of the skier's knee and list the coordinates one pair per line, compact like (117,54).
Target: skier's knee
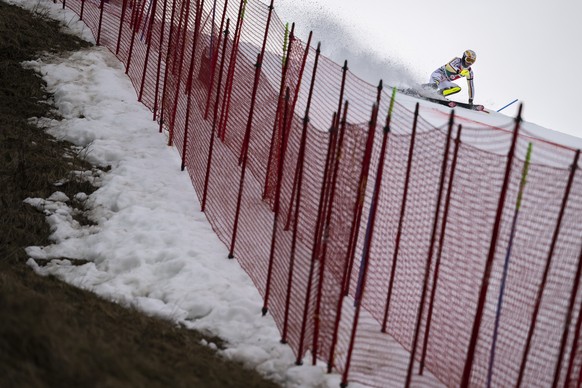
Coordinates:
(451,90)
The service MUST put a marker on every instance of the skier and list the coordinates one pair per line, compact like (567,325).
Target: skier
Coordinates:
(441,78)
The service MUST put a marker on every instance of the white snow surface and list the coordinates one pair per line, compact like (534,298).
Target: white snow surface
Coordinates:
(151,247)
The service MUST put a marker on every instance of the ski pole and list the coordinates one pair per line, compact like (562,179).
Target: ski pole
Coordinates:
(511,103)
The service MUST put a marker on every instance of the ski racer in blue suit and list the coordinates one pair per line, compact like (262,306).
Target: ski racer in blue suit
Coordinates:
(456,68)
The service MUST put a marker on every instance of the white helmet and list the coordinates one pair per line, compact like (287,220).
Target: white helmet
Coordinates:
(469,57)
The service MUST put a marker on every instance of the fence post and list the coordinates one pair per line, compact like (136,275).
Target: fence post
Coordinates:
(430,249)
(121,21)
(490,256)
(341,95)
(401,220)
(570,311)
(140,15)
(379,95)
(324,232)
(299,176)
(214,122)
(231,70)
(149,40)
(295,97)
(82,9)
(546,272)
(341,290)
(327,221)
(132,30)
(213,59)
(520,192)
(167,67)
(574,349)
(358,205)
(299,79)
(189,91)
(368,240)
(247,139)
(277,123)
(180,33)
(276,206)
(184,27)
(159,67)
(100,22)
(195,38)
(244,153)
(317,236)
(440,247)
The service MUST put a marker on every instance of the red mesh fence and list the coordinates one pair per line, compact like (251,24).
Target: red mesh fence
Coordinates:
(288,186)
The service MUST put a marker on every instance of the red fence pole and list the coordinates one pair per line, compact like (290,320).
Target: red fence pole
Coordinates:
(139,16)
(358,208)
(379,95)
(368,240)
(345,266)
(430,250)
(247,139)
(149,40)
(179,34)
(121,21)
(570,311)
(214,120)
(341,96)
(197,21)
(167,67)
(180,66)
(295,97)
(159,67)
(490,256)
(299,178)
(189,81)
(231,69)
(327,222)
(134,16)
(401,220)
(542,285)
(100,22)
(276,207)
(277,124)
(134,6)
(317,236)
(299,79)
(244,151)
(440,247)
(323,233)
(213,61)
(574,349)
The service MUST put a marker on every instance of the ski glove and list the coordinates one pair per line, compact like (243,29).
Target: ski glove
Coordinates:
(465,72)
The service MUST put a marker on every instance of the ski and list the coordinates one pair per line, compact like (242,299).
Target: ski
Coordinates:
(479,108)
(443,101)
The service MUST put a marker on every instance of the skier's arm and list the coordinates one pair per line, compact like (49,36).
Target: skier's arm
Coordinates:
(470,86)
